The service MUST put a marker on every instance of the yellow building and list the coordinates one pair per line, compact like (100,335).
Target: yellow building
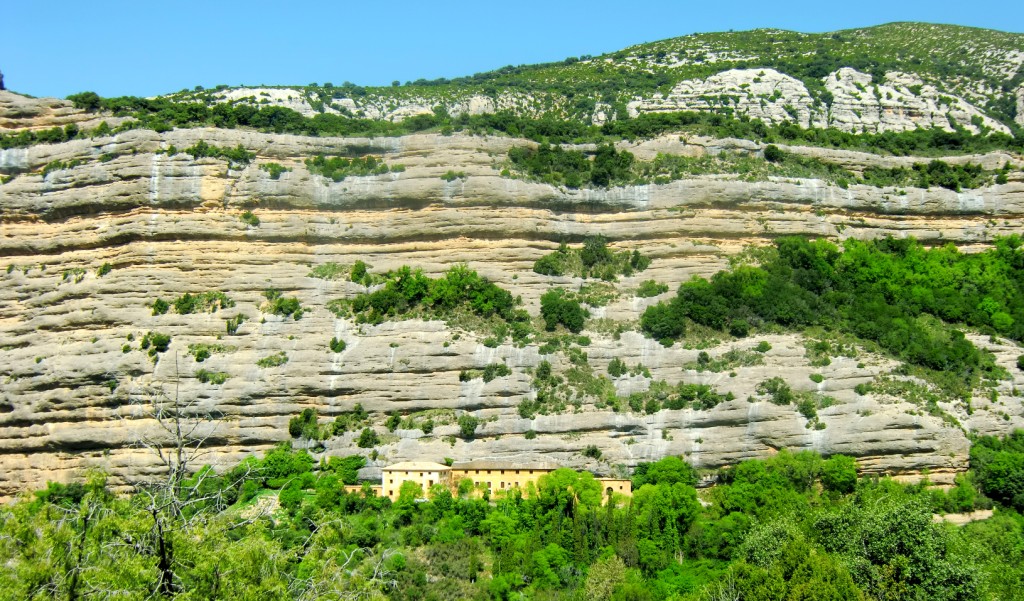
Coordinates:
(494,476)
(424,473)
(617,486)
(500,476)
(373,489)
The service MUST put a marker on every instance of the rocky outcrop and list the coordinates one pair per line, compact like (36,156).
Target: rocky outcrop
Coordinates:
(19,112)
(77,384)
(1020,105)
(763,94)
(901,103)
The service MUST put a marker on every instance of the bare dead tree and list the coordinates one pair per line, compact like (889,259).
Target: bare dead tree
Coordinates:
(178,501)
(725,589)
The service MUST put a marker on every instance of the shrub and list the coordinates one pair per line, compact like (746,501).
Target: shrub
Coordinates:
(450,176)
(594,260)
(862,388)
(817,378)
(592,451)
(304,425)
(359,272)
(201,352)
(204,302)
(496,370)
(154,343)
(367,439)
(557,309)
(276,360)
(617,367)
(249,218)
(160,306)
(1020,362)
(279,305)
(237,154)
(274,169)
(763,347)
(739,328)
(89,101)
(649,288)
(338,168)
(773,154)
(530,434)
(468,425)
(337,345)
(776,388)
(104,269)
(231,324)
(211,377)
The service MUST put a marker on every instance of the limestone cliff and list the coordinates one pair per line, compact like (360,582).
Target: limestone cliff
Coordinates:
(75,380)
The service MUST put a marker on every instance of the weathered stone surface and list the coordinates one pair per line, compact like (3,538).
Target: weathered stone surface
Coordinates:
(763,94)
(21,112)
(170,224)
(1020,105)
(901,103)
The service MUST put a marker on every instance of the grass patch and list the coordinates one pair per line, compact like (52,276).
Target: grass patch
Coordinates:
(212,377)
(276,360)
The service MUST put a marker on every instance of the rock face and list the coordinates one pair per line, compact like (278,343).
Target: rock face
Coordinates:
(902,103)
(763,94)
(77,385)
(1020,105)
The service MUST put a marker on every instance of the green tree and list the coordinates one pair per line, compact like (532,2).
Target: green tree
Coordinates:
(557,309)
(839,474)
(367,439)
(468,425)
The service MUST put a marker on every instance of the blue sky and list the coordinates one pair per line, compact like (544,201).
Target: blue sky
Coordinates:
(117,47)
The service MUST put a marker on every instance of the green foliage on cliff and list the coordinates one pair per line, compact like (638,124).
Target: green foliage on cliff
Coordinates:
(338,168)
(275,169)
(896,293)
(212,377)
(278,304)
(594,260)
(276,360)
(203,302)
(237,154)
(408,292)
(557,309)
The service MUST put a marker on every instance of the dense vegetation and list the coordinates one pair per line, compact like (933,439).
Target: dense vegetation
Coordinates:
(460,292)
(338,168)
(896,293)
(795,526)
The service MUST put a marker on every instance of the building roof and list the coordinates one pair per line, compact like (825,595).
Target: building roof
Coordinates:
(505,465)
(417,466)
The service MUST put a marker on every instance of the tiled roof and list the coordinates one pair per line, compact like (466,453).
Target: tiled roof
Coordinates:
(505,465)
(417,466)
